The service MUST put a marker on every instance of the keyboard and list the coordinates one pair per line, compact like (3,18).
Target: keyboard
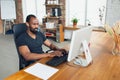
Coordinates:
(55,61)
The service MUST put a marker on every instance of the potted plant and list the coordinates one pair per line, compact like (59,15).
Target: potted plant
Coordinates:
(75,21)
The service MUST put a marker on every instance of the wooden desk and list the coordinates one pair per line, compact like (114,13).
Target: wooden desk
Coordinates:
(105,66)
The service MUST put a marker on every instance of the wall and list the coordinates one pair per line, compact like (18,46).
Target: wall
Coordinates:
(84,11)
(19,15)
(75,9)
(29,7)
(19,11)
(96,10)
(113,11)
(37,7)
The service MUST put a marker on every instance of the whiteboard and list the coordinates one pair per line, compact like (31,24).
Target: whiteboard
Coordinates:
(8,10)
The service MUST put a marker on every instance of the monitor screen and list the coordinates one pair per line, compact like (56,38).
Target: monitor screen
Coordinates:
(77,37)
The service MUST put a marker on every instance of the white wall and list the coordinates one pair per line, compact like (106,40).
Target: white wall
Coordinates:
(93,12)
(113,12)
(35,7)
(75,9)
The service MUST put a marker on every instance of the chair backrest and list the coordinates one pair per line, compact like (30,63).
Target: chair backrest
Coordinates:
(18,29)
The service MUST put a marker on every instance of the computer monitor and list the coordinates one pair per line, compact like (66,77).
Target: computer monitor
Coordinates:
(78,36)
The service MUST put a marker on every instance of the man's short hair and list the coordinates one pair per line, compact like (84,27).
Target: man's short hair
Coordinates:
(29,17)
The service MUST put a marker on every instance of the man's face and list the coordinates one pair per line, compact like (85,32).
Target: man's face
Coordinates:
(33,25)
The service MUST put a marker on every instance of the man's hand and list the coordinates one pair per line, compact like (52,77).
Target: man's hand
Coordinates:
(56,53)
(63,50)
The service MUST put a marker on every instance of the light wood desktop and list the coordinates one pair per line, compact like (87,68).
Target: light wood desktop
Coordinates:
(105,66)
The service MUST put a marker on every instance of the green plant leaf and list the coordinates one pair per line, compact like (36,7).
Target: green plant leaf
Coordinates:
(74,20)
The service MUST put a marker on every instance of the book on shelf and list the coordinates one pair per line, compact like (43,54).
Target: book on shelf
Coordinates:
(49,34)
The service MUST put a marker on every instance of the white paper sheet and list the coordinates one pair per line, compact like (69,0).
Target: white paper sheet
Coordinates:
(42,71)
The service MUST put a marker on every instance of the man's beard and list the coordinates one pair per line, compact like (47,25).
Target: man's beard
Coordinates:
(34,31)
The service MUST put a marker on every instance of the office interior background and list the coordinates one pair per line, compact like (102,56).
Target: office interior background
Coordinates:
(94,12)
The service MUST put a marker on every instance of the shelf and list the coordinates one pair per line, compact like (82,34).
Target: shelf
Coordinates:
(48,34)
(53,4)
(53,17)
(54,14)
(70,28)
(49,28)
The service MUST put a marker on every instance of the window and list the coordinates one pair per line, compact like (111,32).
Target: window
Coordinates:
(87,11)
(75,9)
(35,7)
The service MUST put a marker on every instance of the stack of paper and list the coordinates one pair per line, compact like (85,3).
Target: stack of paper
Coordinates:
(42,71)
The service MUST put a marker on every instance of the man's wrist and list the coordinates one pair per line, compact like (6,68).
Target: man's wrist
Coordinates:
(53,47)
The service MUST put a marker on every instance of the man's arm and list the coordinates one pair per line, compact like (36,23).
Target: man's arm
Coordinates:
(25,52)
(53,47)
(50,45)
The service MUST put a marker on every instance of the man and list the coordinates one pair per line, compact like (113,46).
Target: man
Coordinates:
(30,43)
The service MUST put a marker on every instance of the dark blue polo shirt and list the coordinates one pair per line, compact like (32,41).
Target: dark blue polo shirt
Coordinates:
(35,45)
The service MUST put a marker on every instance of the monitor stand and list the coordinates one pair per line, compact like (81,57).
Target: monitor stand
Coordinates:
(86,58)
(80,61)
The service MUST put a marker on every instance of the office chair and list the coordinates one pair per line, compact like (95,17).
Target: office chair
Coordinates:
(18,29)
